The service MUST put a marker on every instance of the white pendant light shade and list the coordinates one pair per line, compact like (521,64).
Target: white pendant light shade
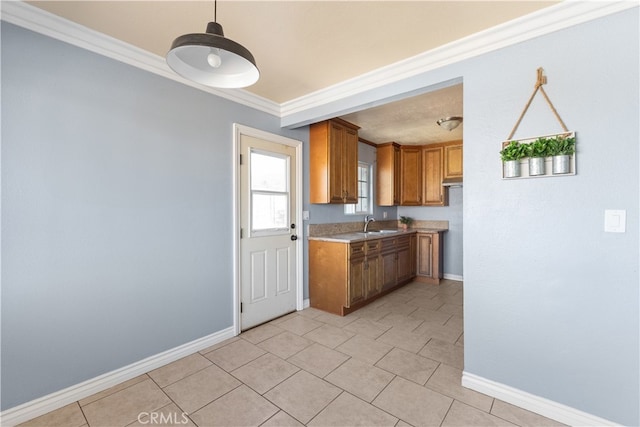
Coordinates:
(213,60)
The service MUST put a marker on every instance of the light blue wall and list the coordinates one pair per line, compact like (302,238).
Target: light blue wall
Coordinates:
(551,301)
(116,213)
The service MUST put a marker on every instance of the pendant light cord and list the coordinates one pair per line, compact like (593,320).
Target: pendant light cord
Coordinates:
(215,10)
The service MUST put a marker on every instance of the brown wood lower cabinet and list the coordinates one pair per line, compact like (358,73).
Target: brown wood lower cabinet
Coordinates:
(345,276)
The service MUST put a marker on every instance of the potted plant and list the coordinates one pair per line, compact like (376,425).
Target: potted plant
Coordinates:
(561,148)
(405,221)
(537,151)
(511,155)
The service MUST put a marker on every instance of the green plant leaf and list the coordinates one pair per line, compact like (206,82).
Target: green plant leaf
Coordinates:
(513,151)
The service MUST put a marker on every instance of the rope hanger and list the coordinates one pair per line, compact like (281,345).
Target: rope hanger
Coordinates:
(542,80)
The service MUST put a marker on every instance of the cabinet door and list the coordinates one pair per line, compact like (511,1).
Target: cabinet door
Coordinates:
(336,165)
(432,163)
(404,259)
(388,267)
(388,176)
(425,255)
(357,275)
(413,254)
(397,188)
(333,162)
(350,165)
(411,176)
(373,279)
(453,161)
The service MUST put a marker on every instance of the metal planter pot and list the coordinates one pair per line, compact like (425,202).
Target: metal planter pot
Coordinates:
(536,166)
(561,164)
(512,169)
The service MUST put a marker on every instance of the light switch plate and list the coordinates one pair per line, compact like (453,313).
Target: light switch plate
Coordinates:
(305,215)
(615,221)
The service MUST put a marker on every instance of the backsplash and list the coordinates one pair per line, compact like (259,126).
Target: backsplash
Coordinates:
(419,223)
(350,227)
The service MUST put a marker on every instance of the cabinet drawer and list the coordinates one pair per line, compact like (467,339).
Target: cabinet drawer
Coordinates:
(372,246)
(404,241)
(356,249)
(388,244)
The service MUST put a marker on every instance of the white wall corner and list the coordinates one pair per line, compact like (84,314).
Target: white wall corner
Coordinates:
(58,399)
(539,405)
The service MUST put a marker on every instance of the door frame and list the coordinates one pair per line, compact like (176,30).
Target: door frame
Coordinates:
(238,131)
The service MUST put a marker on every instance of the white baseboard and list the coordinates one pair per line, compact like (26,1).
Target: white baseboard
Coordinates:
(305,303)
(453,277)
(58,399)
(539,405)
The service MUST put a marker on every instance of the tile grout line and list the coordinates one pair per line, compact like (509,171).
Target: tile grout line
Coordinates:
(447,413)
(170,399)
(86,420)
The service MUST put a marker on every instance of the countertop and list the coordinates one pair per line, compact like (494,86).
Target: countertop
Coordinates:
(360,236)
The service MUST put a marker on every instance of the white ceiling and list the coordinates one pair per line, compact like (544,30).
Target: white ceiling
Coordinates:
(303,47)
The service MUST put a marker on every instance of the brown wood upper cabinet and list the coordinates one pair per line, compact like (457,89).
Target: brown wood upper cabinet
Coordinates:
(433,193)
(333,162)
(388,174)
(412,175)
(453,160)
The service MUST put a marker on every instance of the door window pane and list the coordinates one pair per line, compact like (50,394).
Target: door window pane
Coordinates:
(270,204)
(268,172)
(269,211)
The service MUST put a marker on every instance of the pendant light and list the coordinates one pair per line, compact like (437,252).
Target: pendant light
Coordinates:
(213,60)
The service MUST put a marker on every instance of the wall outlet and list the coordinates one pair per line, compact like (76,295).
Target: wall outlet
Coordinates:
(384,215)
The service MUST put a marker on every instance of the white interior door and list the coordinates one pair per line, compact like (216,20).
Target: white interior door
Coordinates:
(268,242)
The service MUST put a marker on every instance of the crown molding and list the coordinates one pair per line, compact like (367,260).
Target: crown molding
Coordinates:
(48,24)
(545,21)
(562,15)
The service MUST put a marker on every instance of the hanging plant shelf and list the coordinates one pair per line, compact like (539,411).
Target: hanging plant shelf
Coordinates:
(549,169)
(540,156)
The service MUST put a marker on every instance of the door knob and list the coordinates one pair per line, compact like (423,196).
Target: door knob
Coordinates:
(294,237)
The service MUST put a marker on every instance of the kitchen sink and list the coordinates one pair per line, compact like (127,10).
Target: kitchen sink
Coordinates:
(377,232)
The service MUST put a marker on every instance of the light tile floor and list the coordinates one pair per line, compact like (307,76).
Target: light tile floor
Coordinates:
(395,362)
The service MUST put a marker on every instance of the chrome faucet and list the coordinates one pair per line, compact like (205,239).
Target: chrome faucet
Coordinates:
(367,220)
